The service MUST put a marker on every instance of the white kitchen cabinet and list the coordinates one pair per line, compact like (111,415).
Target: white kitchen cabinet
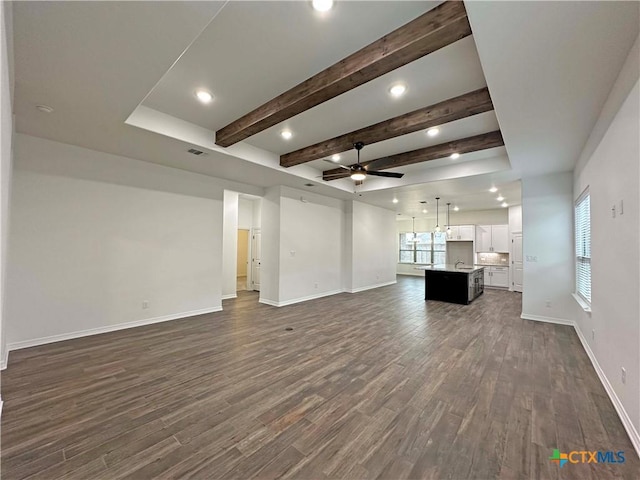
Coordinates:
(462,233)
(496,277)
(492,238)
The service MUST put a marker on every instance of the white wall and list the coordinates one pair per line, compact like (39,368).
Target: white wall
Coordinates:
(515,219)
(85,253)
(612,173)
(547,235)
(373,247)
(6,158)
(245,213)
(310,245)
(230,244)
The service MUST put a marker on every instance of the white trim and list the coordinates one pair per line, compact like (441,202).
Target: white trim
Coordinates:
(229,296)
(300,299)
(540,318)
(369,287)
(5,359)
(110,328)
(628,425)
(582,302)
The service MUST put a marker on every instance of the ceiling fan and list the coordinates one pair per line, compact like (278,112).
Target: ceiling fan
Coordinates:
(359,172)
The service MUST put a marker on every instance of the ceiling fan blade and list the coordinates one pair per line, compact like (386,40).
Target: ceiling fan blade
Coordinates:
(375,173)
(337,165)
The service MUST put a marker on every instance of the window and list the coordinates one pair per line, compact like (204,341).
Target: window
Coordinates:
(583,246)
(428,247)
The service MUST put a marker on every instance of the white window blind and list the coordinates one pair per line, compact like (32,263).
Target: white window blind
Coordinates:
(583,246)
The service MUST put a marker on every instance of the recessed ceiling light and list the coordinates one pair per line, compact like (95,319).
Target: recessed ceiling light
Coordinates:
(504,204)
(455,156)
(286,134)
(493,189)
(456,208)
(500,198)
(44,108)
(322,5)
(335,158)
(397,90)
(395,200)
(424,210)
(204,96)
(432,132)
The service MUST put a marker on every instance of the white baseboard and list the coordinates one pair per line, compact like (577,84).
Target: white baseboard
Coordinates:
(300,299)
(229,296)
(630,428)
(5,358)
(634,436)
(369,287)
(109,328)
(540,318)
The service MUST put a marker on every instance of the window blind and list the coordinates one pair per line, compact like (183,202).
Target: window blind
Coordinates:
(583,246)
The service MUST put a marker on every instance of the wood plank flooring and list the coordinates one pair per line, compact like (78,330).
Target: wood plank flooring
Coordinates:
(379,384)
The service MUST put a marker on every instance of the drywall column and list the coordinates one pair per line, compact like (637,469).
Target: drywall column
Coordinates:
(229,244)
(270,233)
(547,232)
(6,154)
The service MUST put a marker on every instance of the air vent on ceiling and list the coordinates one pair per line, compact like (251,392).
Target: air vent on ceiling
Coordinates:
(195,152)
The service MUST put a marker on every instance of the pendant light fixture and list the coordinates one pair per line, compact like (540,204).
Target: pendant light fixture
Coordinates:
(449,233)
(437,229)
(414,238)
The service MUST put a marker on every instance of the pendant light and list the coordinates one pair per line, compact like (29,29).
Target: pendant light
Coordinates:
(437,229)
(449,233)
(415,237)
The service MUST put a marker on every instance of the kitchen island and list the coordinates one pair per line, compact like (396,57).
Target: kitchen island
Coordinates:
(448,283)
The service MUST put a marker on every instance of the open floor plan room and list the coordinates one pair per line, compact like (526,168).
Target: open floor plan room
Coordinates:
(379,384)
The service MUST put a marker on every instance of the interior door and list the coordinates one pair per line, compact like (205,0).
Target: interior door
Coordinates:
(516,261)
(255,259)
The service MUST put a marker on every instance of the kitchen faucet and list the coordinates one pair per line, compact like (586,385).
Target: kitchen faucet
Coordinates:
(459,262)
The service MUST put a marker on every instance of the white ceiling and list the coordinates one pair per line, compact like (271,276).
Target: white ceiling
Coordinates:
(548,65)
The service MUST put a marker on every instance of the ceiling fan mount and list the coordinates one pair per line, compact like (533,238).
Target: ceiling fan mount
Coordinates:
(359,172)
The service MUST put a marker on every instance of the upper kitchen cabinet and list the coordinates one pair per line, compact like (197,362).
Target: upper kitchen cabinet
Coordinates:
(492,238)
(462,233)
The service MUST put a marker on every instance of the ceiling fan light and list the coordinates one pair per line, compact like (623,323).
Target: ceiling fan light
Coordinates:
(455,156)
(358,176)
(432,132)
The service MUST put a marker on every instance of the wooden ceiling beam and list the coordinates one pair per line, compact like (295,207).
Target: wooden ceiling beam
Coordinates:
(463,106)
(465,145)
(437,28)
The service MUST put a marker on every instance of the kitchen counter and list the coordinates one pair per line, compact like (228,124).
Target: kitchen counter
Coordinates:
(452,268)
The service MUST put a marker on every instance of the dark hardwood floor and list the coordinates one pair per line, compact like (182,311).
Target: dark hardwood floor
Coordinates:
(379,384)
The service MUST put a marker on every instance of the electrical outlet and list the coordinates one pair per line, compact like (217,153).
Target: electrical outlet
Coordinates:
(315,285)
(623,375)
(613,211)
(377,277)
(548,303)
(593,334)
(145,304)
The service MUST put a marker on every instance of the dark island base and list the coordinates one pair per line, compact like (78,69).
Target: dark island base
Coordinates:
(452,287)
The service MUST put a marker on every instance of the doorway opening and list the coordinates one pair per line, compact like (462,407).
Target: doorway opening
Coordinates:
(243,259)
